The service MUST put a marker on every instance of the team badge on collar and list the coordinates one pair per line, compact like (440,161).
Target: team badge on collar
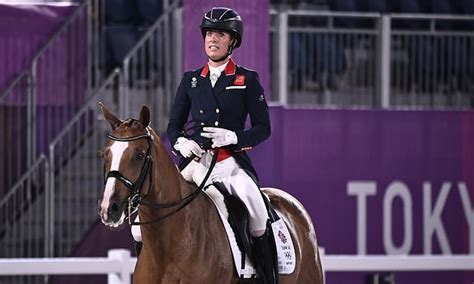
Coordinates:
(239,80)
(193,82)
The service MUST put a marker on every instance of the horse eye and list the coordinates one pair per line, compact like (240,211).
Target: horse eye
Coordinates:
(139,156)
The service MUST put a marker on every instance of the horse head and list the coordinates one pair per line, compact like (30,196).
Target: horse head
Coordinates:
(127,164)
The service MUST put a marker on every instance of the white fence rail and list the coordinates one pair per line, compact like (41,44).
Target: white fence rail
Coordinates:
(119,264)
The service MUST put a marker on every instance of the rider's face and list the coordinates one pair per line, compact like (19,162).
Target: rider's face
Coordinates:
(216,43)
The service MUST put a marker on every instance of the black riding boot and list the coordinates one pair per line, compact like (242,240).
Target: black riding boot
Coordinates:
(138,248)
(265,258)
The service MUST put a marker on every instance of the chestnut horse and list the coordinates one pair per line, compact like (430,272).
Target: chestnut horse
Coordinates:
(184,240)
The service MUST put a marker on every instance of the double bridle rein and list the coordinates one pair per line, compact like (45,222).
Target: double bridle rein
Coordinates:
(135,199)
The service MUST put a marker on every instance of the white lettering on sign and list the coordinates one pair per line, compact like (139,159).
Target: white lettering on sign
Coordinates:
(394,190)
(466,204)
(361,189)
(432,218)
(432,211)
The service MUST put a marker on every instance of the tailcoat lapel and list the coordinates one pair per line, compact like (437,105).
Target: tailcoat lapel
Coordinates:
(205,82)
(223,82)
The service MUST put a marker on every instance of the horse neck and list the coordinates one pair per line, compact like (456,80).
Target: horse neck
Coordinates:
(173,240)
(168,186)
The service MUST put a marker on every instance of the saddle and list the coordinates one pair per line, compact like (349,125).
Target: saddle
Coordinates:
(283,254)
(248,252)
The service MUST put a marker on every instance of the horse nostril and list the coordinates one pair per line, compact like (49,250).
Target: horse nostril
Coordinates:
(113,208)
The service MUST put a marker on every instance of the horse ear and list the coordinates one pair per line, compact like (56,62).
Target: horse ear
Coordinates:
(145,116)
(109,116)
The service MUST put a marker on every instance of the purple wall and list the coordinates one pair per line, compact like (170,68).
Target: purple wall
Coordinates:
(255,48)
(23,29)
(61,79)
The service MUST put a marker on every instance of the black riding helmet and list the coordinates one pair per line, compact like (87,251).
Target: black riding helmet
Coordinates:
(224,19)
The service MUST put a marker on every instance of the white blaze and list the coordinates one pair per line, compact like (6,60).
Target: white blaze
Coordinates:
(117,149)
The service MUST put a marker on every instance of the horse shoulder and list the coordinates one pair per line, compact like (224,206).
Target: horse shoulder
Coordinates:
(209,256)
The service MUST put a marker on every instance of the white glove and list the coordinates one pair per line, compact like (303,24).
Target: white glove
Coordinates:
(220,137)
(187,147)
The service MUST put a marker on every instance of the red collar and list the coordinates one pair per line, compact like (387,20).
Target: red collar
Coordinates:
(229,69)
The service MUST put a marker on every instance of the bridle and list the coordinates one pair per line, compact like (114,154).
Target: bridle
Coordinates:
(134,187)
(135,199)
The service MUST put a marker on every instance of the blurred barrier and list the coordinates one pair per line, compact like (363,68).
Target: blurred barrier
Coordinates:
(74,155)
(152,69)
(75,171)
(24,217)
(40,100)
(372,60)
(16,123)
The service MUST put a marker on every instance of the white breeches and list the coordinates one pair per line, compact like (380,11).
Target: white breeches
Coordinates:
(236,181)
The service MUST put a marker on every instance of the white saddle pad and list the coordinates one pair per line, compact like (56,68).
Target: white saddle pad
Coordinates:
(283,241)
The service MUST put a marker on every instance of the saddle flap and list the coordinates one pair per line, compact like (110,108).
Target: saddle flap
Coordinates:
(242,260)
(285,248)
(238,218)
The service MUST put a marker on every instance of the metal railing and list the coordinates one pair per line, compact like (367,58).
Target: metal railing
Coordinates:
(152,69)
(51,89)
(16,124)
(75,170)
(96,50)
(41,100)
(372,60)
(432,61)
(75,166)
(24,214)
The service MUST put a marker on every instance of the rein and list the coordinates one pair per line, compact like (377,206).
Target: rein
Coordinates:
(136,187)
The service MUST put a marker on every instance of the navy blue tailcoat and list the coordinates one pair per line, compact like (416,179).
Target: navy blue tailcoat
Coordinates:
(236,95)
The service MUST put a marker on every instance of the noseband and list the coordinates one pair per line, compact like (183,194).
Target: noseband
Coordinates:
(136,187)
